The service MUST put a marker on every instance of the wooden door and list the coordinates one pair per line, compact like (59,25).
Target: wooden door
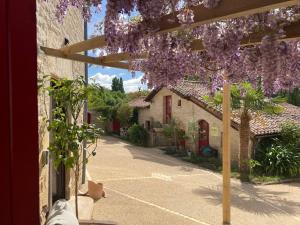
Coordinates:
(168,108)
(203,134)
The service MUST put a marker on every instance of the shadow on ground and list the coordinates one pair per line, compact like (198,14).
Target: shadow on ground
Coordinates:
(251,199)
(147,154)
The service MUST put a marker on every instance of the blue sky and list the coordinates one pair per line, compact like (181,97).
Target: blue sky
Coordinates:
(104,75)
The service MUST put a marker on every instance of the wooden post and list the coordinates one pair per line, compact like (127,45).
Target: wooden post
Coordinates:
(226,150)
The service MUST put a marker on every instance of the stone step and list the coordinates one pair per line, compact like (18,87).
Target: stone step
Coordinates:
(85,207)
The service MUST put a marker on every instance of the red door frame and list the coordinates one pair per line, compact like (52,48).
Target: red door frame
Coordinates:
(19,164)
(168,108)
(205,125)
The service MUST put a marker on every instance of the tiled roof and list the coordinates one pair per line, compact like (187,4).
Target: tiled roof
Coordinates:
(265,124)
(261,124)
(139,103)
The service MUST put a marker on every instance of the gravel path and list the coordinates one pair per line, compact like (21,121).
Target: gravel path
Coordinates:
(146,187)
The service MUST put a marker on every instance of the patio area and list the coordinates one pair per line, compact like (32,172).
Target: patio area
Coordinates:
(145,186)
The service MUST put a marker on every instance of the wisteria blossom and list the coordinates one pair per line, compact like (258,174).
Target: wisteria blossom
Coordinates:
(275,64)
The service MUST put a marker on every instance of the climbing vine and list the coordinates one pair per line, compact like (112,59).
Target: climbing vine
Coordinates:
(69,132)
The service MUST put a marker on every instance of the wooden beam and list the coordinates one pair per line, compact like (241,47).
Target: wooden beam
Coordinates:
(92,43)
(121,57)
(226,168)
(83,58)
(226,10)
(292,33)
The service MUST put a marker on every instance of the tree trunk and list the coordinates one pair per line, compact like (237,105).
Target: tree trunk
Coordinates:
(244,145)
(76,188)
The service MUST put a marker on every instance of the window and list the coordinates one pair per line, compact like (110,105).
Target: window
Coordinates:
(179,102)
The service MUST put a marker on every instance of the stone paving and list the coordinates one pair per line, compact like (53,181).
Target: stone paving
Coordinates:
(146,187)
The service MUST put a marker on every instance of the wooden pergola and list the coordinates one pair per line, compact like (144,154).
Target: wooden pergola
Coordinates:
(228,9)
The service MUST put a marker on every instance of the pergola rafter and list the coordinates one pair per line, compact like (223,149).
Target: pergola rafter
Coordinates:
(115,60)
(227,9)
(83,58)
(292,32)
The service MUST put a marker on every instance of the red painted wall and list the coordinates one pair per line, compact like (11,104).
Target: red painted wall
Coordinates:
(5,212)
(19,168)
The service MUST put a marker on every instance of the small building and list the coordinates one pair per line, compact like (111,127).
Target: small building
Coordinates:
(185,103)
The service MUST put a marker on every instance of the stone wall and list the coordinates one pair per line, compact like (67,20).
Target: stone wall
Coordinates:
(51,33)
(186,113)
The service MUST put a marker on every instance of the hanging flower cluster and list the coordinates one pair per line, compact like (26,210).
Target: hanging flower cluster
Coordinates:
(165,64)
(171,57)
(84,5)
(274,64)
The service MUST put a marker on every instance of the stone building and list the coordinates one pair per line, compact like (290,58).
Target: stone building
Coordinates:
(51,33)
(185,103)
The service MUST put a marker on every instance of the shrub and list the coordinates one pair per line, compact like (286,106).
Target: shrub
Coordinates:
(174,131)
(290,135)
(279,156)
(124,114)
(137,135)
(278,160)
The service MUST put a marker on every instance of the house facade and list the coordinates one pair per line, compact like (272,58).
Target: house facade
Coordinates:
(58,183)
(185,103)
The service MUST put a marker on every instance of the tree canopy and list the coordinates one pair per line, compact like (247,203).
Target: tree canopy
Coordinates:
(117,84)
(108,102)
(104,101)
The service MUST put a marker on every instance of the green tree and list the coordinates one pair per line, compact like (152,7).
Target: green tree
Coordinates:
(293,96)
(247,99)
(115,84)
(69,134)
(104,101)
(124,114)
(174,130)
(121,87)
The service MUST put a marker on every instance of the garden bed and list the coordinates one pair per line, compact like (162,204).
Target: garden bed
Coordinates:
(268,180)
(214,164)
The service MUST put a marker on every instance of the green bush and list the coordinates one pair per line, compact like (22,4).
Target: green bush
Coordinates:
(137,135)
(290,135)
(279,156)
(124,114)
(278,160)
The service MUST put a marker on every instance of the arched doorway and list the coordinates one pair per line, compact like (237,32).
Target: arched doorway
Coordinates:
(203,134)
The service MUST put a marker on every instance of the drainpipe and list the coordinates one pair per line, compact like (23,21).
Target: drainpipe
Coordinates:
(85,108)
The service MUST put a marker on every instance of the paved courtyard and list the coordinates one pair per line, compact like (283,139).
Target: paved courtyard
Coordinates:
(146,187)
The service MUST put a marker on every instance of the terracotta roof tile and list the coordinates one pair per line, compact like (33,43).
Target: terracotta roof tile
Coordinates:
(139,103)
(261,124)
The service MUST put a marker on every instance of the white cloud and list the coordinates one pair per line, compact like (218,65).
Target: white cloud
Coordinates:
(100,52)
(133,84)
(105,80)
(102,79)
